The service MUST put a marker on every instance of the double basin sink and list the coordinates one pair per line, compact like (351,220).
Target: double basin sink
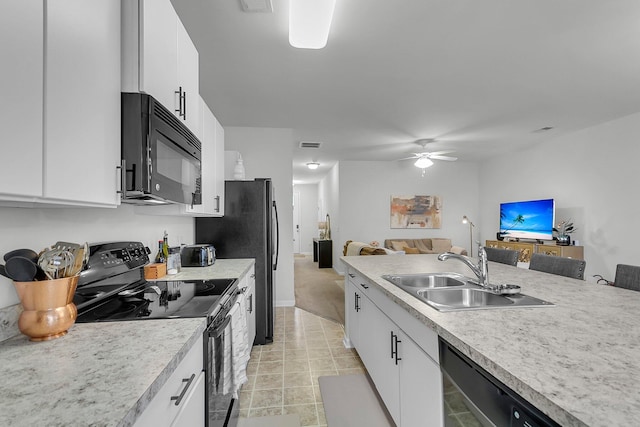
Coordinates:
(455,292)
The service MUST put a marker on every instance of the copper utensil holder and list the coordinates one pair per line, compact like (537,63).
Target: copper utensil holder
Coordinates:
(48,306)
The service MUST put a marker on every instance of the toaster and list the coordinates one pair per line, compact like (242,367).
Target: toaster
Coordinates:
(197,255)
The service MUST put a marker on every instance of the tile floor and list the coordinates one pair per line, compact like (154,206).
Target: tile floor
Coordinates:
(283,376)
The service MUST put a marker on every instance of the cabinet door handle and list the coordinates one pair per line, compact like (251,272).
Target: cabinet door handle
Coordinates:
(178,398)
(394,347)
(217,203)
(364,286)
(184,106)
(392,352)
(250,304)
(357,302)
(182,103)
(121,176)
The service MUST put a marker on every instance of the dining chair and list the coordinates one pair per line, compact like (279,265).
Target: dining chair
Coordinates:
(503,256)
(561,266)
(627,276)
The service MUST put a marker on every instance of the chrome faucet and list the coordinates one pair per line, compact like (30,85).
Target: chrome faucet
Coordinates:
(481,270)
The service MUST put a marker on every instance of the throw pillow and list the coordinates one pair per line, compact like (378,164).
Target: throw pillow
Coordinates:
(441,245)
(407,250)
(398,245)
(423,248)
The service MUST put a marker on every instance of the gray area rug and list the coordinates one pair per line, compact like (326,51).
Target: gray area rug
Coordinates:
(292,420)
(319,291)
(351,401)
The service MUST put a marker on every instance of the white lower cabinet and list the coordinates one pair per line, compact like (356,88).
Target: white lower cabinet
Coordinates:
(192,410)
(352,313)
(251,305)
(180,401)
(377,346)
(406,375)
(420,386)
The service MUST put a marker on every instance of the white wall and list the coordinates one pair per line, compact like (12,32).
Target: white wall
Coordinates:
(593,177)
(329,201)
(365,190)
(268,153)
(309,212)
(38,228)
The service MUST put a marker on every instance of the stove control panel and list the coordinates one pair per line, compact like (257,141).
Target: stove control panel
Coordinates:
(109,258)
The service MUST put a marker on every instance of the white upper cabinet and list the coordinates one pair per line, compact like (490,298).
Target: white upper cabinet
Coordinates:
(62,114)
(82,101)
(160,59)
(21,85)
(212,165)
(188,79)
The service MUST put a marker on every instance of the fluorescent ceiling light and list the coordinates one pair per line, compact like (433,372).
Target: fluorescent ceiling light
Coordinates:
(313,165)
(309,23)
(423,162)
(263,6)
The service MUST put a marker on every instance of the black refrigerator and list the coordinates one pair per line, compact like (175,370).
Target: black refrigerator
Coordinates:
(248,229)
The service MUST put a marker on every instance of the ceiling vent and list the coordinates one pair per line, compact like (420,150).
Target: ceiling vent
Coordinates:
(310,144)
(263,6)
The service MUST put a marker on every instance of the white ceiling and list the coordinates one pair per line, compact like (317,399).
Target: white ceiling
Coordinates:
(480,76)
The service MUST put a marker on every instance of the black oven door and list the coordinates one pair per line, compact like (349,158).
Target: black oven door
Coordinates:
(222,409)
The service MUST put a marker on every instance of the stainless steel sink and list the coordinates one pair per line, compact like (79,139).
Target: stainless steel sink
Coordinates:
(463,298)
(455,292)
(437,280)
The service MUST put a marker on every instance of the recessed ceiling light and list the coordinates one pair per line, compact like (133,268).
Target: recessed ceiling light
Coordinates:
(313,165)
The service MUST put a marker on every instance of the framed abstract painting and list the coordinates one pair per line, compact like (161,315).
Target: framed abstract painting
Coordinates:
(416,211)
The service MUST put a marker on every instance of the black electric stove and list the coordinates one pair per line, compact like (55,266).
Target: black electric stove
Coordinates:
(113,288)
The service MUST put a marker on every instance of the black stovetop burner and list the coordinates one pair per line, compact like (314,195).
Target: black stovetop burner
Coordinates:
(159,300)
(112,288)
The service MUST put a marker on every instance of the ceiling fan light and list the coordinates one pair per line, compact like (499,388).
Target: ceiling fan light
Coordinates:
(423,162)
(313,165)
(309,23)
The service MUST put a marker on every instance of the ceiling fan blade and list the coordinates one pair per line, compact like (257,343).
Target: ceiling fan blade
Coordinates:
(437,153)
(407,158)
(446,158)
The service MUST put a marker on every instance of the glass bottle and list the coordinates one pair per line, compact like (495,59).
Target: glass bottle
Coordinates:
(160,258)
(165,246)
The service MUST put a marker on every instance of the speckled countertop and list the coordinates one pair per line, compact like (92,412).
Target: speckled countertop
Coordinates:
(99,374)
(577,361)
(221,269)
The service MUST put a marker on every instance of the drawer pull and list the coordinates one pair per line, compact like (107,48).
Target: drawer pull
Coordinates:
(364,286)
(178,398)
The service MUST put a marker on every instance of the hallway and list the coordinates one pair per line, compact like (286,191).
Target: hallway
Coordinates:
(318,290)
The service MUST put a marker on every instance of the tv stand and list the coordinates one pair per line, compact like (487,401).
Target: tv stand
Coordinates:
(526,249)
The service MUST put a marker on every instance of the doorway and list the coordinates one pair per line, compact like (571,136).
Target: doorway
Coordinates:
(296,222)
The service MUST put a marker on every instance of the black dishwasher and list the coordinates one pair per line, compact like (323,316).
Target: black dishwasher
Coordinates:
(470,391)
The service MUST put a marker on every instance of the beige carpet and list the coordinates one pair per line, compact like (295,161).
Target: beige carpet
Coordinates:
(351,401)
(318,290)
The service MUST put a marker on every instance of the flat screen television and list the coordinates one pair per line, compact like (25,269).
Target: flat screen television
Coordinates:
(532,219)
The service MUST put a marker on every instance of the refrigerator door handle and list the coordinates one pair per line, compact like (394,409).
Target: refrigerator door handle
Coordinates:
(275,208)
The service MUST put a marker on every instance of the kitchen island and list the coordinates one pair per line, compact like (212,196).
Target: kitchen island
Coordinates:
(99,374)
(576,361)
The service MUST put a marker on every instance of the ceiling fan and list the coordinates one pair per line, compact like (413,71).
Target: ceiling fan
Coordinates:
(425,158)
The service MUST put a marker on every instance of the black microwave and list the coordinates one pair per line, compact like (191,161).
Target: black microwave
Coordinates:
(161,157)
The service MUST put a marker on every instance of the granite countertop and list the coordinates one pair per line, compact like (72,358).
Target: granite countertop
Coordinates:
(99,374)
(576,361)
(221,269)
